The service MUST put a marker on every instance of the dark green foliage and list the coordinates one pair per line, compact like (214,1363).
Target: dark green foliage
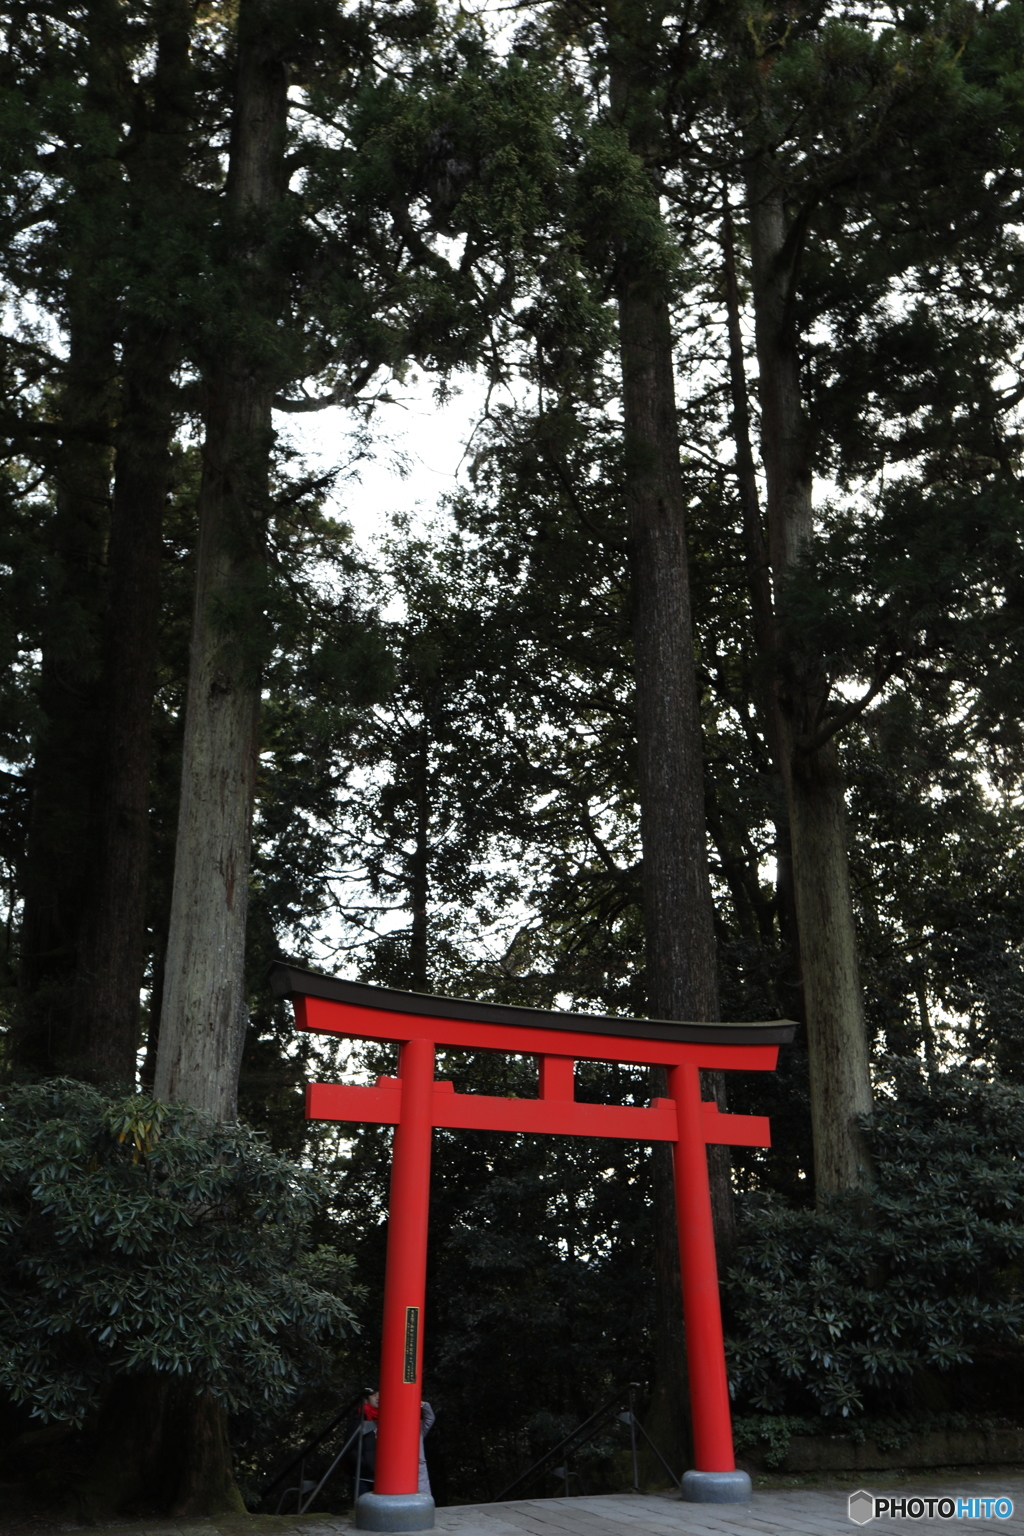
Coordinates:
(766,1438)
(22,568)
(942,949)
(473,762)
(858,1307)
(140,1240)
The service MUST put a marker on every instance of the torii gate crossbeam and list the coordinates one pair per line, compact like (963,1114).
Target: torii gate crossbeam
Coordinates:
(415,1102)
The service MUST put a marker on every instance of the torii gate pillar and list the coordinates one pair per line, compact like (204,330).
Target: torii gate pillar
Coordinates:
(415,1102)
(405,1278)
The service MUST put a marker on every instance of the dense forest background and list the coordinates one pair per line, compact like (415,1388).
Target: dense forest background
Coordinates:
(699,698)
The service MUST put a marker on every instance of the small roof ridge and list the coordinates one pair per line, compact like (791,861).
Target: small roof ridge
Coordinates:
(292,981)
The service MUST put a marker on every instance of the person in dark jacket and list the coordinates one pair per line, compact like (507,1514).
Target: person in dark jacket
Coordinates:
(366,1459)
(427,1417)
(368,1462)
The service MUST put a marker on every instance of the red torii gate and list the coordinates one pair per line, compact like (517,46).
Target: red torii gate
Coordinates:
(415,1102)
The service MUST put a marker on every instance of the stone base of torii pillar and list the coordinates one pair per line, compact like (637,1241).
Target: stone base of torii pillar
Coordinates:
(395,1512)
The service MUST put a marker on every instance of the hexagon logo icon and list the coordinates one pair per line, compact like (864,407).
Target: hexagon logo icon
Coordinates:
(862,1506)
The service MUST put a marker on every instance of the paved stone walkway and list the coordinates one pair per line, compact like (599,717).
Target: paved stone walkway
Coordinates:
(772,1512)
(791,1511)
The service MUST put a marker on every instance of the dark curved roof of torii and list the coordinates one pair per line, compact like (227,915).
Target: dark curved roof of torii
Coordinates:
(291,981)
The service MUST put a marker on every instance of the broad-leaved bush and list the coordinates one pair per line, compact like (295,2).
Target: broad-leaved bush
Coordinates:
(837,1311)
(138,1237)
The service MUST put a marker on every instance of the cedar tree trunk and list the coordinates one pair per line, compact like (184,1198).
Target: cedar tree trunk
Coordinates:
(112,955)
(67,746)
(203,1014)
(419,958)
(203,1019)
(840,1078)
(161,1448)
(759,582)
(678,913)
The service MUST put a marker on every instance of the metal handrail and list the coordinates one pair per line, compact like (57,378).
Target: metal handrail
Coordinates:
(311,1445)
(588,1429)
(330,1470)
(634,1425)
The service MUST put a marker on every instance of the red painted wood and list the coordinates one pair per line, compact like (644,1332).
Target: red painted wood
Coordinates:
(405,1275)
(734,1130)
(340,1101)
(415,1102)
(557,1077)
(553,1117)
(316,1013)
(705,1347)
(381,1105)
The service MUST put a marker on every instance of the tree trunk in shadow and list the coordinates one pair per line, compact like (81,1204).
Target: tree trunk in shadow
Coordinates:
(68,743)
(680,954)
(840,1071)
(204,1013)
(766,640)
(419,955)
(112,955)
(161,1448)
(68,739)
(840,1077)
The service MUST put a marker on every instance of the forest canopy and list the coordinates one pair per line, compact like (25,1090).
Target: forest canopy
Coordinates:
(698,697)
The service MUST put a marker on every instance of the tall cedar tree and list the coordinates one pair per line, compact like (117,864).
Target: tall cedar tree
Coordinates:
(108,265)
(203,1017)
(68,737)
(808,165)
(631,50)
(807,751)
(112,946)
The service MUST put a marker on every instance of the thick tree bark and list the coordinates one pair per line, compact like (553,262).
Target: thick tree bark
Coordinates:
(419,960)
(840,1070)
(68,744)
(679,940)
(840,1076)
(762,606)
(112,954)
(680,951)
(63,779)
(204,1015)
(161,1448)
(66,749)
(682,979)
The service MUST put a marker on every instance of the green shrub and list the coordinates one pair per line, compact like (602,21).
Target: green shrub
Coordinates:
(137,1238)
(838,1311)
(769,1435)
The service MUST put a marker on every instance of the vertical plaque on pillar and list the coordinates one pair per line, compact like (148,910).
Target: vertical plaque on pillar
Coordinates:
(412,1338)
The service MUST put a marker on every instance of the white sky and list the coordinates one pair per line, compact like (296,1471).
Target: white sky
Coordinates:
(429,437)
